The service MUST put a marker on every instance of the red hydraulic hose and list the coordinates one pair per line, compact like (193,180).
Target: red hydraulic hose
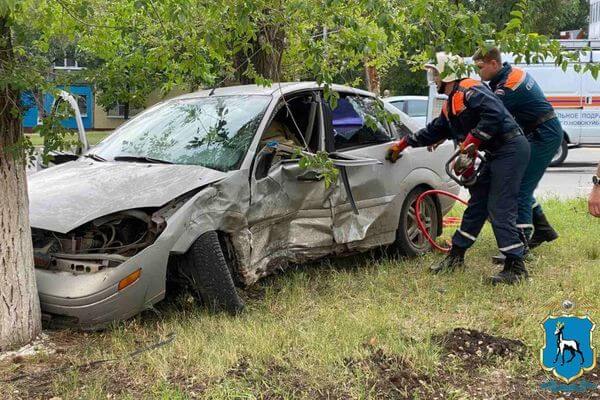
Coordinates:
(420,223)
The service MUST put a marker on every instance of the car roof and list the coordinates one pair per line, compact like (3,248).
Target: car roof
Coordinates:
(275,89)
(399,98)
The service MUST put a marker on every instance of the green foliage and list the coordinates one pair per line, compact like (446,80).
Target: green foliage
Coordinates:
(134,47)
(320,163)
(547,17)
(53,134)
(401,79)
(7,6)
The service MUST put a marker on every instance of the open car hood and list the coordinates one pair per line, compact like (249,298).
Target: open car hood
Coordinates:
(65,197)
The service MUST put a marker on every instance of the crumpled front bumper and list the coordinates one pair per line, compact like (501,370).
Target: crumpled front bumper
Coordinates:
(93,300)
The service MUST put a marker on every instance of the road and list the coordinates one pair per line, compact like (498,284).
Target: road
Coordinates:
(573,178)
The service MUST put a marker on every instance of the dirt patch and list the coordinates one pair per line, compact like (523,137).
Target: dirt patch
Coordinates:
(391,377)
(275,379)
(32,377)
(36,377)
(475,348)
(499,384)
(239,369)
(193,386)
(254,292)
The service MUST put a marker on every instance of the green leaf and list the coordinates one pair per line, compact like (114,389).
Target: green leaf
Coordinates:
(517,14)
(7,7)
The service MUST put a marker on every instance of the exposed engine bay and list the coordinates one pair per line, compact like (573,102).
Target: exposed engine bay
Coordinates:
(105,242)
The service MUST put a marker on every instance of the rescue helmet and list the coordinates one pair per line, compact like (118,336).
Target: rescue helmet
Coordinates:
(442,60)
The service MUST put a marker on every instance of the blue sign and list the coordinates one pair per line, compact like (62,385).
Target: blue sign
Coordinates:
(568,351)
(30,117)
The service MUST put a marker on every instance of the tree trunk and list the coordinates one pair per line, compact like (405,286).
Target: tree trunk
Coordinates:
(264,56)
(372,79)
(20,318)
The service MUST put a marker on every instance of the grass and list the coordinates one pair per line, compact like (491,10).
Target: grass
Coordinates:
(349,328)
(94,137)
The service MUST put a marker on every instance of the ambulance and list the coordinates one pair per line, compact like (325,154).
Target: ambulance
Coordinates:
(575,96)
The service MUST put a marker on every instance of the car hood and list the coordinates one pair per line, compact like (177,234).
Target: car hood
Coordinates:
(65,197)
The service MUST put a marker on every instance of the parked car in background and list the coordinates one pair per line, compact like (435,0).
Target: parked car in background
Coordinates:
(414,106)
(207,190)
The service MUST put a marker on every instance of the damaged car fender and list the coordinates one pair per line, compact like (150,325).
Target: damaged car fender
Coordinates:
(221,207)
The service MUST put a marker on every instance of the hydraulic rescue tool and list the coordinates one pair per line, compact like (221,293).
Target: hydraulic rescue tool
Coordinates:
(464,167)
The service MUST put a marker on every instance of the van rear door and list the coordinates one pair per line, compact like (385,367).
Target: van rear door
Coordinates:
(590,115)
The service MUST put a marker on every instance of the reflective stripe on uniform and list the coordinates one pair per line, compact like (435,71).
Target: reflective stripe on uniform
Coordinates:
(484,135)
(514,246)
(524,226)
(471,237)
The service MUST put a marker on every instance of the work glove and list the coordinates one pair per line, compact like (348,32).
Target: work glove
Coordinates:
(465,163)
(395,150)
(470,144)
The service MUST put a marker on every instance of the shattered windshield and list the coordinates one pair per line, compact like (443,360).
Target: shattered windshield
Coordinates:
(214,132)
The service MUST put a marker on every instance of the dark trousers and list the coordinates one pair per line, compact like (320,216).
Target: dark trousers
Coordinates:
(544,145)
(496,195)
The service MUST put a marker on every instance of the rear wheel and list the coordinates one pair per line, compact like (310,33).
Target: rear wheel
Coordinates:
(207,271)
(561,154)
(410,241)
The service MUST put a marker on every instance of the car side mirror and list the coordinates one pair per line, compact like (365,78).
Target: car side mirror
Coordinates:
(263,162)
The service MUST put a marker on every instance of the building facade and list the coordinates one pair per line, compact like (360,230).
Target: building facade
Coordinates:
(94,116)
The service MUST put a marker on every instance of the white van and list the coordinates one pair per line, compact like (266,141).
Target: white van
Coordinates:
(575,96)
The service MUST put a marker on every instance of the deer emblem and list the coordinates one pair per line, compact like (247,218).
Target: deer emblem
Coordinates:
(563,345)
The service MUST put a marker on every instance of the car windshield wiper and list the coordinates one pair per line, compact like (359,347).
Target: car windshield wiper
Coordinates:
(142,159)
(94,157)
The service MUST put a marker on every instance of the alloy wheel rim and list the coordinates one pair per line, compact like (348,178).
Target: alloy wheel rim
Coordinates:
(416,238)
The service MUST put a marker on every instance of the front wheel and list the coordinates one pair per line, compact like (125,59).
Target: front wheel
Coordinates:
(561,154)
(207,271)
(410,241)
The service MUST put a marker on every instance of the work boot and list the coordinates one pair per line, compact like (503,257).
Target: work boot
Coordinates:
(514,271)
(543,231)
(454,259)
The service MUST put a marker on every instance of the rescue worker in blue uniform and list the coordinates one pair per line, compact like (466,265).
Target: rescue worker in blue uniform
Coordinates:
(525,100)
(474,116)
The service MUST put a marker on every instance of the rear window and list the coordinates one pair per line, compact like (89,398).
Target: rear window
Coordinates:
(399,105)
(356,122)
(416,108)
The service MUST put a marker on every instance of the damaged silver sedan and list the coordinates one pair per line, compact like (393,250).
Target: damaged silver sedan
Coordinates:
(207,189)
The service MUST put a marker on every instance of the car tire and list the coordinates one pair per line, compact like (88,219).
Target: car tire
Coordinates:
(410,241)
(561,154)
(206,270)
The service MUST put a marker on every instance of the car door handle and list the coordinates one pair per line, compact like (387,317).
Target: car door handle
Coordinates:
(310,176)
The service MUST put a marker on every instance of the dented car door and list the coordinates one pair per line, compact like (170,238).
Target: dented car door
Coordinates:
(290,215)
(367,214)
